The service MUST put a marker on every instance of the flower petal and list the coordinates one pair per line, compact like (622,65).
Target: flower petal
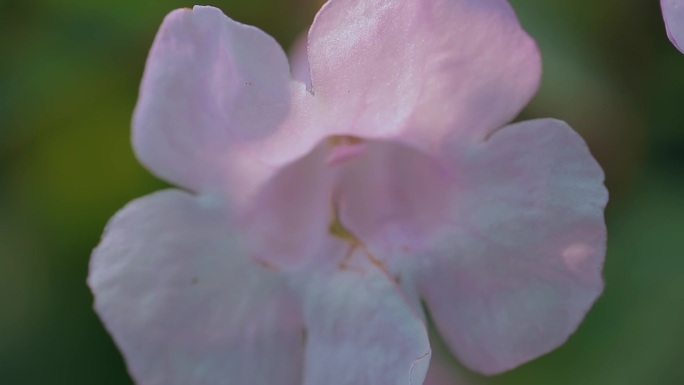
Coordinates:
(673,13)
(361,330)
(299,61)
(185,306)
(213,92)
(421,70)
(519,263)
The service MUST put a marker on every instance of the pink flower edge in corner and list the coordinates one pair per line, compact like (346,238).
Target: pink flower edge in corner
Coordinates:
(673,14)
(316,215)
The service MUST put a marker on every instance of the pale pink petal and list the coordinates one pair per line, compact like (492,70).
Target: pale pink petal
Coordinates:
(518,263)
(213,94)
(183,303)
(673,13)
(299,61)
(360,329)
(418,71)
(287,221)
(394,192)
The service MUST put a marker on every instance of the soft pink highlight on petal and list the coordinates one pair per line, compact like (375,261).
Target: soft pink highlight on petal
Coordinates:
(673,13)
(185,305)
(420,71)
(577,254)
(344,153)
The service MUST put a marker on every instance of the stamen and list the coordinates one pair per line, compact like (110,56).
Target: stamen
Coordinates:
(337,229)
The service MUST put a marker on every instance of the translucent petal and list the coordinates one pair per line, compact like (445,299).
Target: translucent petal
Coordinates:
(518,263)
(361,329)
(185,305)
(673,13)
(218,109)
(419,71)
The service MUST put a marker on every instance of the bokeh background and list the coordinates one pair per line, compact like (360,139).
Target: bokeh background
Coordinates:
(69,73)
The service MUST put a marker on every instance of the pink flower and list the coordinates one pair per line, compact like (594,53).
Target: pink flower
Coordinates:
(673,13)
(313,221)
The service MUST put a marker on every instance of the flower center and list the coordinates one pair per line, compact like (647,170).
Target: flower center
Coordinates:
(338,230)
(344,148)
(376,198)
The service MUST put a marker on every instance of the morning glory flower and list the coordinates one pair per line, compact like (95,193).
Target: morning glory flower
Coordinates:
(673,13)
(321,218)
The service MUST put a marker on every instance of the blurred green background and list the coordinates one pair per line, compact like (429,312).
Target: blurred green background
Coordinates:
(69,73)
